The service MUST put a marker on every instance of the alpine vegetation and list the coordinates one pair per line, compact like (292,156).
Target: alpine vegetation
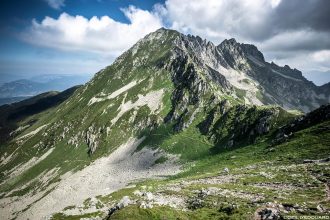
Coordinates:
(176,128)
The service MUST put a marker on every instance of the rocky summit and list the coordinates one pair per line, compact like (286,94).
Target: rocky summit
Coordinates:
(176,128)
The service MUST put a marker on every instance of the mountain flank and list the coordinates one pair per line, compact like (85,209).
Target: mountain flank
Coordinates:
(176,127)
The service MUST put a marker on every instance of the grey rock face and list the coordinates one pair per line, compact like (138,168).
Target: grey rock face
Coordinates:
(268,214)
(92,139)
(276,85)
(279,85)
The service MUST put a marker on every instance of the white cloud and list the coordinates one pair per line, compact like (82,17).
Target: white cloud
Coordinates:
(56,4)
(322,56)
(219,19)
(256,20)
(275,3)
(102,35)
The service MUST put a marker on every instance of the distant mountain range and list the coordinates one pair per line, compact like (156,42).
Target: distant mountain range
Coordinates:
(20,89)
(11,114)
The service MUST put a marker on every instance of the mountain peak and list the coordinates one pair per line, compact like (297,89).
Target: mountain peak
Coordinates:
(241,48)
(162,30)
(231,65)
(253,51)
(231,41)
(160,33)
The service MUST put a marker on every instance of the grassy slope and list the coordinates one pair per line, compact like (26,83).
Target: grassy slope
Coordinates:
(68,157)
(280,169)
(15,114)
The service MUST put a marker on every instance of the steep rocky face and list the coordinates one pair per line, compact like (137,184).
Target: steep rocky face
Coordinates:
(229,126)
(242,71)
(277,85)
(235,53)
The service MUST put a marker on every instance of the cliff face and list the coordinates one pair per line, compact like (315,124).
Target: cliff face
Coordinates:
(255,80)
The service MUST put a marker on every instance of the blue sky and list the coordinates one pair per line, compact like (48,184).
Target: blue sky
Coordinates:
(20,57)
(83,36)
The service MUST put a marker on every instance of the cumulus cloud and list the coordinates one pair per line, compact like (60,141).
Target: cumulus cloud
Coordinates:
(100,35)
(220,18)
(56,4)
(256,20)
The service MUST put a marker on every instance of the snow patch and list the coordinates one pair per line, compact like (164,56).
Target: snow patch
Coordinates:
(285,76)
(5,159)
(20,128)
(152,100)
(243,82)
(112,95)
(32,133)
